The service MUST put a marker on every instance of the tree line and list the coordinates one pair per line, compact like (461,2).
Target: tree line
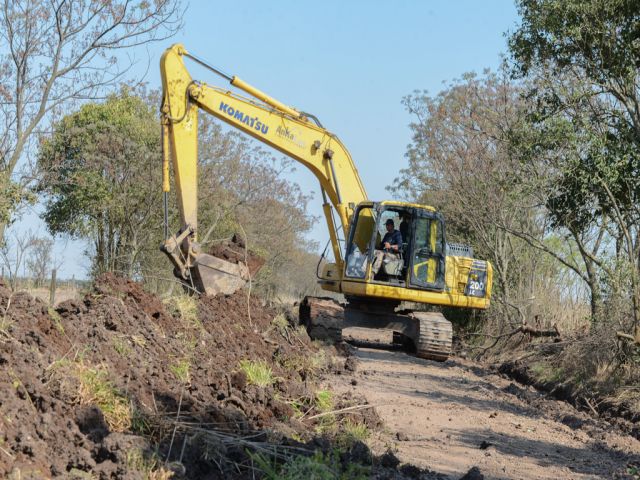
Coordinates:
(538,166)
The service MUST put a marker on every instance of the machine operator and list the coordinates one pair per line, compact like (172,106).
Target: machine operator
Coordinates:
(390,246)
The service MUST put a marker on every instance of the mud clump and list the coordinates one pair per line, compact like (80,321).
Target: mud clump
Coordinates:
(235,251)
(119,382)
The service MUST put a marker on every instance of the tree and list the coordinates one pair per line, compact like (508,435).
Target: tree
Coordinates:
(582,59)
(102,182)
(460,161)
(13,255)
(54,53)
(40,259)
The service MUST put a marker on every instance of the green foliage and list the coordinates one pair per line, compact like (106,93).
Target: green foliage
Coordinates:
(324,401)
(597,36)
(101,177)
(319,466)
(258,372)
(182,370)
(589,55)
(12,195)
(580,59)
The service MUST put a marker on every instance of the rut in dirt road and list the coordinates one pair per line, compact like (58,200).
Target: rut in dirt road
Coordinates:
(453,416)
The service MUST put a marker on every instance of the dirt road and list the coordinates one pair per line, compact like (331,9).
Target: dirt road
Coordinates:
(453,416)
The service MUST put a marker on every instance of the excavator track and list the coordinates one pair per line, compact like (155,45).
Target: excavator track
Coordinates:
(323,318)
(431,333)
(435,334)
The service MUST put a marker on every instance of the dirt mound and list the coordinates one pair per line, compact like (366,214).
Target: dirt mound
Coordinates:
(118,381)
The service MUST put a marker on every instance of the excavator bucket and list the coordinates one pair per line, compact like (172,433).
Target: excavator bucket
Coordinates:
(213,276)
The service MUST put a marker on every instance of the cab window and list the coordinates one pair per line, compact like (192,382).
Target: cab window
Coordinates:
(362,229)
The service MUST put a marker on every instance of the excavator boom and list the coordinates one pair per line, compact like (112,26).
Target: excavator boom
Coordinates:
(268,120)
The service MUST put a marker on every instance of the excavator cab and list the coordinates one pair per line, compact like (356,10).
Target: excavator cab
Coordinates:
(420,260)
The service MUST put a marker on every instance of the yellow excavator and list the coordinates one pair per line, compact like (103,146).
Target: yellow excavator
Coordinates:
(422,270)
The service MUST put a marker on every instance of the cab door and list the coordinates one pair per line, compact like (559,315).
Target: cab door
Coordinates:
(427,254)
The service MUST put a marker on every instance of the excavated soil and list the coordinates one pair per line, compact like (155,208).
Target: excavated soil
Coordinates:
(235,251)
(62,369)
(121,386)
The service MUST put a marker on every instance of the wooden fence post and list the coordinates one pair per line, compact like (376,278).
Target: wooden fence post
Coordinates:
(52,288)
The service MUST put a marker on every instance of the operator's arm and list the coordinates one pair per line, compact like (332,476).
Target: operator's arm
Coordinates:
(392,241)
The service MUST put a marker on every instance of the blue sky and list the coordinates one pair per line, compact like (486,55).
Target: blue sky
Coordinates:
(347,62)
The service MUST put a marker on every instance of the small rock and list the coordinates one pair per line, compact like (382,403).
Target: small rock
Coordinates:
(351,364)
(473,474)
(402,437)
(389,460)
(354,382)
(484,445)
(410,471)
(572,422)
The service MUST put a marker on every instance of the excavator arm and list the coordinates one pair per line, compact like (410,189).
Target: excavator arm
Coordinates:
(294,133)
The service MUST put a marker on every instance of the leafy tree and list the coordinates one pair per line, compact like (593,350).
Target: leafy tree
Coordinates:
(55,53)
(582,59)
(103,184)
(101,179)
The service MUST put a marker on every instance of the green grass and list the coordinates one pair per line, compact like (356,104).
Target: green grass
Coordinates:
(258,372)
(351,432)
(182,371)
(90,385)
(547,373)
(95,388)
(121,346)
(324,401)
(318,466)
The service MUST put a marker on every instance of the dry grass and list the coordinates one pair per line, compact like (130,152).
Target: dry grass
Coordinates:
(150,466)
(90,385)
(184,307)
(62,294)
